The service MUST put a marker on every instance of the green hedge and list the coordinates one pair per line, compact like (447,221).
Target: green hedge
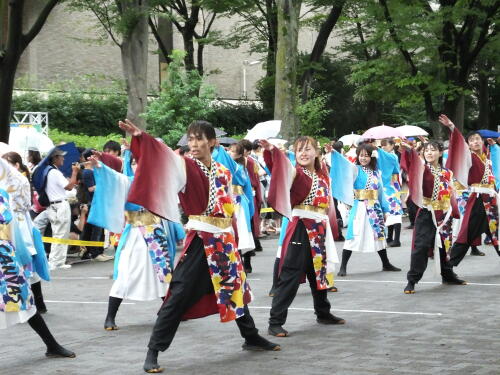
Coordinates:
(81,140)
(95,115)
(237,118)
(76,113)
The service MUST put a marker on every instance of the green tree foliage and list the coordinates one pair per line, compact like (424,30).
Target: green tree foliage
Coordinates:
(183,99)
(419,53)
(312,115)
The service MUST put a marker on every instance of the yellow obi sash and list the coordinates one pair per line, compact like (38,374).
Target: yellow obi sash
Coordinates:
(363,194)
(141,218)
(237,189)
(438,205)
(5,232)
(307,207)
(219,222)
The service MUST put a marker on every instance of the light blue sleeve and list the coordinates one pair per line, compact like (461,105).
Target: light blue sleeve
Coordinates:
(342,173)
(108,204)
(495,161)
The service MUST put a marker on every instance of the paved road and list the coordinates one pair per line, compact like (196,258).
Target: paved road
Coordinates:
(439,330)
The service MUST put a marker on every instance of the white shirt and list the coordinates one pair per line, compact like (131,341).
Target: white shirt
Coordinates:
(56,183)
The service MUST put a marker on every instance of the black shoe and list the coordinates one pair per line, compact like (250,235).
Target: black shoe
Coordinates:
(341,238)
(411,226)
(410,288)
(394,244)
(258,343)
(389,267)
(333,289)
(151,365)
(277,331)
(110,325)
(59,352)
(330,319)
(258,248)
(248,270)
(453,280)
(342,272)
(271,292)
(476,252)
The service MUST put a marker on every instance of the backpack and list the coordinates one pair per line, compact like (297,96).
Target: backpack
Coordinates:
(41,184)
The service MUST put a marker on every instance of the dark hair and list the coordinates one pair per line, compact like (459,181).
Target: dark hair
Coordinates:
(304,140)
(183,149)
(200,128)
(112,146)
(34,157)
(240,150)
(337,146)
(436,145)
(247,145)
(13,158)
(87,153)
(470,134)
(387,141)
(369,150)
(256,145)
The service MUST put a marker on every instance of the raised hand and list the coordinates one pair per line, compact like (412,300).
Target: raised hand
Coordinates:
(266,145)
(94,159)
(444,120)
(130,128)
(491,141)
(328,148)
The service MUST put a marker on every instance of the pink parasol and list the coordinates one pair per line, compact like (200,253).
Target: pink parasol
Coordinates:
(381,132)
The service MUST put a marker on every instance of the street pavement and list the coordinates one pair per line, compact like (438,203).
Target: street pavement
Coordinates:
(439,330)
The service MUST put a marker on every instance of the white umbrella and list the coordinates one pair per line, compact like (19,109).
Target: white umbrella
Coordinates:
(264,130)
(350,139)
(22,138)
(4,148)
(412,131)
(381,132)
(277,141)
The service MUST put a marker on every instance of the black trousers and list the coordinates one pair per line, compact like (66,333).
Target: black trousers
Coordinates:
(412,210)
(298,261)
(190,281)
(477,225)
(424,234)
(93,233)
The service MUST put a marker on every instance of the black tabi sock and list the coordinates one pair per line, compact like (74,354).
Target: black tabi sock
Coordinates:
(38,324)
(113,305)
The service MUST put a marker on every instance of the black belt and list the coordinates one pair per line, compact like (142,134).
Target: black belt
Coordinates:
(59,201)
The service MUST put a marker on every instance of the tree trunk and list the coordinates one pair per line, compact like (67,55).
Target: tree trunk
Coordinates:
(371,118)
(134,54)
(285,101)
(483,120)
(454,109)
(7,76)
(188,39)
(319,48)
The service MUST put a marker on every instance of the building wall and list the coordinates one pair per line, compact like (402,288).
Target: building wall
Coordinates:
(66,49)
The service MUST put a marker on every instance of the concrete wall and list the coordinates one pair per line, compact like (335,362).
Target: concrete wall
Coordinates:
(63,51)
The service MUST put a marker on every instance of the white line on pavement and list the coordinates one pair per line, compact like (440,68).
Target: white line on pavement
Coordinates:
(80,278)
(405,282)
(362,311)
(88,302)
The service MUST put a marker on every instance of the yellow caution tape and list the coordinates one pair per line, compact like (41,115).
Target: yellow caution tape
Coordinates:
(267,209)
(65,241)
